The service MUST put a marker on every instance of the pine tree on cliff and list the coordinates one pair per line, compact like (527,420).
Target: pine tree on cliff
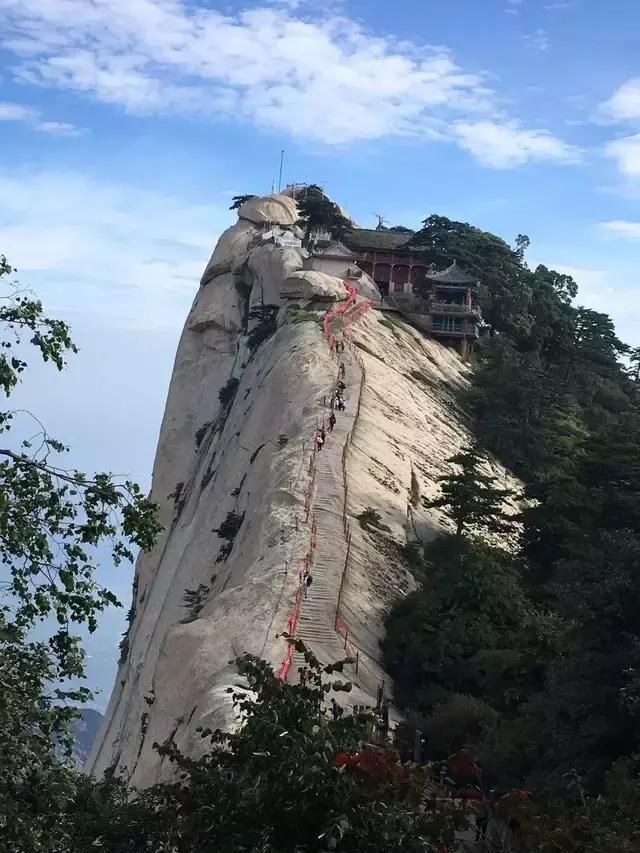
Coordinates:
(471,496)
(318,211)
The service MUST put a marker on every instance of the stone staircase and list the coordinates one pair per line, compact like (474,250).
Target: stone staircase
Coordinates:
(316,625)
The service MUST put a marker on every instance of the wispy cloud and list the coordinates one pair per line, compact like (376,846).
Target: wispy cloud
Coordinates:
(129,256)
(59,128)
(325,78)
(623,107)
(506,145)
(15,112)
(621,228)
(538,40)
(624,104)
(30,116)
(626,153)
(513,7)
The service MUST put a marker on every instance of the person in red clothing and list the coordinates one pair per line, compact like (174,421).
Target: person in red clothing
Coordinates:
(464,775)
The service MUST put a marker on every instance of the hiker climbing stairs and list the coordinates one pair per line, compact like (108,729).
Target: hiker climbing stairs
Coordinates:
(316,625)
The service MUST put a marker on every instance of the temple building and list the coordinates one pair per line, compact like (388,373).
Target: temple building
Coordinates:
(331,257)
(444,305)
(453,309)
(383,255)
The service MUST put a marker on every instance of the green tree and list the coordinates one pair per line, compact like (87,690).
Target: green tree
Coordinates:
(318,211)
(471,628)
(239,200)
(287,781)
(471,496)
(522,243)
(506,281)
(51,520)
(634,364)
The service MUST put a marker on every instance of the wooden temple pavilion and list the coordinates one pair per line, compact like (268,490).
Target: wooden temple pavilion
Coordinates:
(444,305)
(382,254)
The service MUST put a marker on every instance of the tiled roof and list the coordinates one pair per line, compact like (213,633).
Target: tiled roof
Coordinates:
(452,275)
(361,239)
(335,249)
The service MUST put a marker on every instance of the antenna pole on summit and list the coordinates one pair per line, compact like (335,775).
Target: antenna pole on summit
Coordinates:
(280,175)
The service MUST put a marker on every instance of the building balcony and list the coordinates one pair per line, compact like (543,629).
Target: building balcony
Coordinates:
(448,308)
(407,302)
(462,330)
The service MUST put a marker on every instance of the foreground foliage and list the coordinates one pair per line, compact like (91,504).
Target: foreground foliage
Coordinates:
(51,520)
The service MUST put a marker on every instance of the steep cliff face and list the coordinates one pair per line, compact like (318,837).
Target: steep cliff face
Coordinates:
(246,501)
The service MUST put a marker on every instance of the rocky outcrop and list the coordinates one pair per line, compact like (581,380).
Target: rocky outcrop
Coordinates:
(314,286)
(242,494)
(272,210)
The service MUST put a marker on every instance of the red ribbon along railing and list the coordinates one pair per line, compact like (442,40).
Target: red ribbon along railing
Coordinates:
(341,627)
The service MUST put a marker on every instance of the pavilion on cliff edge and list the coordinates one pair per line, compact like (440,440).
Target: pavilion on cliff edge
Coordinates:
(443,304)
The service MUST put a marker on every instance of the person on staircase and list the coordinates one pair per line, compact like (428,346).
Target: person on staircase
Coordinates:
(485,813)
(332,421)
(307,580)
(319,441)
(336,710)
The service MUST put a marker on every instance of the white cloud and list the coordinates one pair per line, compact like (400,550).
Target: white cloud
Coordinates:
(322,78)
(624,107)
(20,112)
(506,145)
(513,7)
(15,112)
(59,128)
(621,228)
(624,104)
(626,152)
(539,40)
(129,257)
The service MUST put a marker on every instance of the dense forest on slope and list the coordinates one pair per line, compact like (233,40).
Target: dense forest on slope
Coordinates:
(530,654)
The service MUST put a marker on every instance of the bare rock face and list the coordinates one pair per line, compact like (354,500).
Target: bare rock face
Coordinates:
(240,487)
(270,210)
(231,250)
(307,284)
(269,265)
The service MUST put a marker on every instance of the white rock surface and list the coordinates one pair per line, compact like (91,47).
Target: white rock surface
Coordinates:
(252,457)
(271,209)
(309,284)
(231,250)
(270,265)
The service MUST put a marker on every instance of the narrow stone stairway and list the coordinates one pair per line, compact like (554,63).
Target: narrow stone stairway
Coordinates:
(316,626)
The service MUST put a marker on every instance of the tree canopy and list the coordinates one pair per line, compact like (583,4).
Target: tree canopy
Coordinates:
(318,211)
(544,630)
(52,517)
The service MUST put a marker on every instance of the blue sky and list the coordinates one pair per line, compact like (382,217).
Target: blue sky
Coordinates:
(127,125)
